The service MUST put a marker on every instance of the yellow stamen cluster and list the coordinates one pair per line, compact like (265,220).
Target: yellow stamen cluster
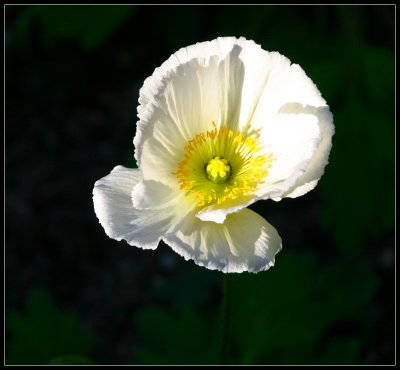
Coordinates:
(220,166)
(218,170)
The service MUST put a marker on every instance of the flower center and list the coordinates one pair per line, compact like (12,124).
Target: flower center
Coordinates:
(222,166)
(218,170)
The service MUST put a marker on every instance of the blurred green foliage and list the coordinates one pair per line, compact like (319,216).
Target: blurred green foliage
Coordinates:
(45,335)
(182,337)
(91,26)
(71,360)
(191,287)
(317,304)
(361,166)
(282,316)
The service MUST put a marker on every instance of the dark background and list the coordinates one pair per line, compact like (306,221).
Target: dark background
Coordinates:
(75,296)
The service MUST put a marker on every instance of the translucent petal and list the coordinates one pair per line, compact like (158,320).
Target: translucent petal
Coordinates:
(319,160)
(244,242)
(120,220)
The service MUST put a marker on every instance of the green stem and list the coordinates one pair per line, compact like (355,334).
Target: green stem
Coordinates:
(226,321)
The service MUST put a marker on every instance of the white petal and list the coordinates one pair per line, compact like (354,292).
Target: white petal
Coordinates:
(293,140)
(184,108)
(196,86)
(263,73)
(272,88)
(279,85)
(157,197)
(244,242)
(153,195)
(120,220)
(316,166)
(202,51)
(218,212)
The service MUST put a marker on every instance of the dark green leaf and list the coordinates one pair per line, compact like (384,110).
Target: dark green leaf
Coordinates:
(71,360)
(183,337)
(44,332)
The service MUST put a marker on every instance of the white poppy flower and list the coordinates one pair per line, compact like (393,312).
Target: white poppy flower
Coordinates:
(222,124)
